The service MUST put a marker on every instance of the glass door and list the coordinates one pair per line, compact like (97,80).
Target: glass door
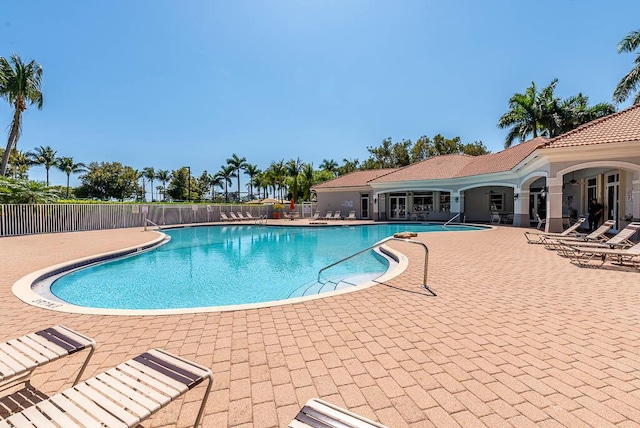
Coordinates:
(537,204)
(364,206)
(613,200)
(397,205)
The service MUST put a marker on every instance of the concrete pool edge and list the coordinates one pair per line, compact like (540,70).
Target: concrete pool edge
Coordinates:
(23,288)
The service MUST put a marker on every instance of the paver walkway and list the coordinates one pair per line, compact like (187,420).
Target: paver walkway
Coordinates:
(517,336)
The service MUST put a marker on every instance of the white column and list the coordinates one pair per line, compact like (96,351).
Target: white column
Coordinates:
(521,208)
(635,196)
(554,205)
(456,203)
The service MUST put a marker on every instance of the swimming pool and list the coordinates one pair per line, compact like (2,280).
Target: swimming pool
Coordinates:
(229,265)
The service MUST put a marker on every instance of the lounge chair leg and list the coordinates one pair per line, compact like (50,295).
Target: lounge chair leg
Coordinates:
(204,402)
(84,366)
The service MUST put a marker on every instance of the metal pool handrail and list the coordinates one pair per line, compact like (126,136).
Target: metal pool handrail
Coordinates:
(149,221)
(391,238)
(451,219)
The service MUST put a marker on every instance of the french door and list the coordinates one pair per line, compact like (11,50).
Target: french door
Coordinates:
(398,207)
(364,206)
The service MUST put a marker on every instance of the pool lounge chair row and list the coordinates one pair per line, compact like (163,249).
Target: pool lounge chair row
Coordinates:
(596,249)
(127,394)
(237,216)
(330,215)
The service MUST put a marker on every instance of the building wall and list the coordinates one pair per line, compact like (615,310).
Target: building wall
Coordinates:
(345,201)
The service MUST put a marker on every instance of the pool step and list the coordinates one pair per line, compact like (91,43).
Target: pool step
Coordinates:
(333,284)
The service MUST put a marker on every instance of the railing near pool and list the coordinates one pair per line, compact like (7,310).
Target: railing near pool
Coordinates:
(378,244)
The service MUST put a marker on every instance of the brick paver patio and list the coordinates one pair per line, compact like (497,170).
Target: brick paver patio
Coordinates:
(517,336)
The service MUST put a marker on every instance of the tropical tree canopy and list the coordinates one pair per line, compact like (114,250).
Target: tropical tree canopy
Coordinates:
(329,165)
(108,180)
(21,191)
(149,174)
(182,185)
(293,169)
(227,172)
(20,84)
(402,153)
(66,165)
(536,113)
(238,164)
(44,156)
(629,83)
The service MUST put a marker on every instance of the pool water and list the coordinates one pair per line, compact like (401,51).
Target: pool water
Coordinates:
(229,265)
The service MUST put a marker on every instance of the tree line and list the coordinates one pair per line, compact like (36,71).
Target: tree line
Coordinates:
(534,112)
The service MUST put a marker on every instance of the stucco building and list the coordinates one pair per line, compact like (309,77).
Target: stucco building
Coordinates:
(554,178)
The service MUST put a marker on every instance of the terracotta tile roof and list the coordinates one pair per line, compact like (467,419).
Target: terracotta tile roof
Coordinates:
(616,128)
(502,161)
(452,166)
(354,179)
(435,167)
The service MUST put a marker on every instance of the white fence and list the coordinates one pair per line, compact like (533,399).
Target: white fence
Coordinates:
(49,218)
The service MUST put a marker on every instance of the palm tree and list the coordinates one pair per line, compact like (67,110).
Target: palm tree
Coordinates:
(293,169)
(149,173)
(307,179)
(526,112)
(629,83)
(278,175)
(251,171)
(237,163)
(20,163)
(227,172)
(44,156)
(141,192)
(20,84)
(164,176)
(329,165)
(260,182)
(575,111)
(66,165)
(349,166)
(215,180)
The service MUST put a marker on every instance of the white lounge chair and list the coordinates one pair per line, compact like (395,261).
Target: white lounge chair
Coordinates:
(121,397)
(337,216)
(315,216)
(240,216)
(321,414)
(351,216)
(495,217)
(621,240)
(249,216)
(598,235)
(233,216)
(539,237)
(583,256)
(327,216)
(20,357)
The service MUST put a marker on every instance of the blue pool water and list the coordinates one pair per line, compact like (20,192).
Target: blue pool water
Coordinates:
(227,265)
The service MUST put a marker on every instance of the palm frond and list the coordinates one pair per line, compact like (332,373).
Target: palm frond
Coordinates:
(630,42)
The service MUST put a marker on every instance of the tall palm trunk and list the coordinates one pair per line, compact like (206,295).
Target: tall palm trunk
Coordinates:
(13,138)
(68,176)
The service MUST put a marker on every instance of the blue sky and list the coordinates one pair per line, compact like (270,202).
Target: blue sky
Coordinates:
(187,83)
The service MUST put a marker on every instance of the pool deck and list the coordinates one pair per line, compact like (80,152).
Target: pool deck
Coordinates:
(517,336)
